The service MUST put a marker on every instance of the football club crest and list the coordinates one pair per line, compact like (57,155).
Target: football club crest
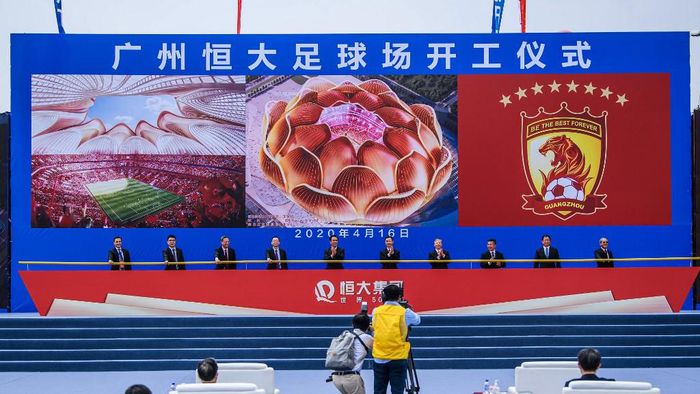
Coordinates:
(563,156)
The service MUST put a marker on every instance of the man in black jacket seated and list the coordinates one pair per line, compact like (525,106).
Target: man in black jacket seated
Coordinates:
(588,363)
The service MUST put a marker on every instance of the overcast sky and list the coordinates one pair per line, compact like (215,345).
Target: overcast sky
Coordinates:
(340,16)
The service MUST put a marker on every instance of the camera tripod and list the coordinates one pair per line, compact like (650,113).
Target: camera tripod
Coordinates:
(412,385)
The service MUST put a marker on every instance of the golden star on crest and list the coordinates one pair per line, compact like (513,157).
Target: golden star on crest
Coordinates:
(590,88)
(572,86)
(537,88)
(622,99)
(606,92)
(521,93)
(554,86)
(505,100)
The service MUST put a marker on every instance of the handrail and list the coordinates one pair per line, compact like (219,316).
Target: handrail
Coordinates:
(365,261)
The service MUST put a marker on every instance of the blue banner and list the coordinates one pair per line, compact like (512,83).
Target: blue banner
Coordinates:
(58,8)
(340,54)
(497,15)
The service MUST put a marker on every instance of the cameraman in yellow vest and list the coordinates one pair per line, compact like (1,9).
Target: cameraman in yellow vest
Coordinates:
(390,351)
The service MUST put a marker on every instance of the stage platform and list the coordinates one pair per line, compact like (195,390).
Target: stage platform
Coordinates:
(44,344)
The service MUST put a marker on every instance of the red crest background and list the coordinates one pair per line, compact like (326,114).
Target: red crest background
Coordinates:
(637,169)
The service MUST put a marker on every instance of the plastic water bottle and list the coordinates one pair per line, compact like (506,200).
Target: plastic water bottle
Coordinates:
(486,387)
(495,389)
(173,387)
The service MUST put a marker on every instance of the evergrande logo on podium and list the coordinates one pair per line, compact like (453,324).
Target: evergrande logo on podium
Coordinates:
(563,156)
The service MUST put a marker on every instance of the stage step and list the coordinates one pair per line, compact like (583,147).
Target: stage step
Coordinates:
(440,342)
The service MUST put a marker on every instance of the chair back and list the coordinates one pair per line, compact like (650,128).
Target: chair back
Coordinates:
(608,387)
(544,377)
(257,373)
(218,388)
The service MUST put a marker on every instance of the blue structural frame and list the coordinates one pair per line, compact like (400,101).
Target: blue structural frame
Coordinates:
(666,52)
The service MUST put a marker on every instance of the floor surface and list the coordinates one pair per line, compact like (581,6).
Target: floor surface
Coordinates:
(669,380)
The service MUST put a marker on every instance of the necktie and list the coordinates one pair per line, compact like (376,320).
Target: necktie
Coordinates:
(277,254)
(226,253)
(121,256)
(546,252)
(606,253)
(493,254)
(174,254)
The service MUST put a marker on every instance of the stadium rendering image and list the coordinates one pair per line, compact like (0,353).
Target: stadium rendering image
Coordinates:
(127,200)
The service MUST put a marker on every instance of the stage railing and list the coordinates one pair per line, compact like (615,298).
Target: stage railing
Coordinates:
(470,263)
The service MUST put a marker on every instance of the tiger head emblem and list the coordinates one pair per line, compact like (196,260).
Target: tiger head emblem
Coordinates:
(568,161)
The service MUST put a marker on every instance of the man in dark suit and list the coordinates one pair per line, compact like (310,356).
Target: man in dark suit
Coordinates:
(118,256)
(588,363)
(389,254)
(547,252)
(603,255)
(334,255)
(173,257)
(276,256)
(224,254)
(494,257)
(438,257)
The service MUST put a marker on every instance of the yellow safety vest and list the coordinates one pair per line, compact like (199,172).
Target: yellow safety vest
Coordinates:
(390,333)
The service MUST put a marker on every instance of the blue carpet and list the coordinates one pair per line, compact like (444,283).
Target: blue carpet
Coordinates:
(297,343)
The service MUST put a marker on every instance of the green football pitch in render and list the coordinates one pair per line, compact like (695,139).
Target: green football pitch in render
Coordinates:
(126,200)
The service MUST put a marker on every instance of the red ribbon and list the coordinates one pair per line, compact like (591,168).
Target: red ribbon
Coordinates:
(591,204)
(523,18)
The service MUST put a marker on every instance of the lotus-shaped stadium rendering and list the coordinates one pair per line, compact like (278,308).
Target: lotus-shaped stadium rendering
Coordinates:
(354,153)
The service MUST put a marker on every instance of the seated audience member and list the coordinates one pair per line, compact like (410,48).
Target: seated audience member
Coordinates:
(224,255)
(172,256)
(117,256)
(547,252)
(276,256)
(493,256)
(334,255)
(438,257)
(588,363)
(208,370)
(603,255)
(137,389)
(351,382)
(389,254)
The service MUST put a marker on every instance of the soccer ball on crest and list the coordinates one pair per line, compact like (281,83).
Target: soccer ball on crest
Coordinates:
(564,188)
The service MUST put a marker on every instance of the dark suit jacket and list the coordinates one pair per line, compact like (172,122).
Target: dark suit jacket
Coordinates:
(439,263)
(604,260)
(553,257)
(168,256)
(114,256)
(270,254)
(331,261)
(487,255)
(588,376)
(219,254)
(383,256)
